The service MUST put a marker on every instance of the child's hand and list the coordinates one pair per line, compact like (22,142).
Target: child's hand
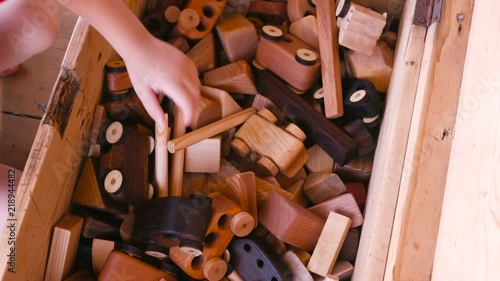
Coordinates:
(160,68)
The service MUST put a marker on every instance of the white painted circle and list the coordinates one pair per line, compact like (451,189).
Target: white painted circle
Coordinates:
(319,94)
(113,181)
(191,251)
(114,132)
(151,144)
(151,191)
(156,254)
(357,96)
(368,120)
(340,6)
(272,31)
(307,55)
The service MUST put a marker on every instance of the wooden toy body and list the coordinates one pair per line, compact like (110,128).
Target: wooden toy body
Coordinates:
(238,37)
(255,260)
(169,220)
(129,156)
(218,236)
(208,12)
(269,140)
(279,56)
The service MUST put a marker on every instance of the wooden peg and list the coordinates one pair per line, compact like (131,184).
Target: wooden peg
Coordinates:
(82,275)
(289,58)
(330,60)
(342,270)
(344,204)
(99,125)
(268,12)
(232,274)
(63,248)
(204,156)
(358,169)
(88,193)
(203,54)
(210,130)
(290,222)
(238,37)
(298,9)
(161,159)
(177,158)
(323,132)
(376,67)
(117,79)
(215,269)
(243,186)
(329,244)
(359,27)
(180,43)
(297,268)
(360,134)
(306,29)
(320,187)
(235,77)
(207,13)
(208,112)
(349,250)
(100,252)
(319,161)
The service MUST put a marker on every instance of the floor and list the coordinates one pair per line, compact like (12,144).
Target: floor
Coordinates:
(26,94)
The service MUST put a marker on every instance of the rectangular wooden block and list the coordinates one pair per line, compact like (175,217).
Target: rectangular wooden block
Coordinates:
(344,204)
(329,244)
(203,157)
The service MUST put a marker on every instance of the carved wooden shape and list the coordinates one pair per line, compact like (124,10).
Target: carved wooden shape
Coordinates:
(117,79)
(289,58)
(99,125)
(359,27)
(254,260)
(358,169)
(360,134)
(320,187)
(349,250)
(298,9)
(193,183)
(209,112)
(290,222)
(88,193)
(124,165)
(268,12)
(235,77)
(177,161)
(319,161)
(263,137)
(127,227)
(329,244)
(358,190)
(204,156)
(344,204)
(361,99)
(101,225)
(238,37)
(203,54)
(161,159)
(265,188)
(285,182)
(207,12)
(377,67)
(243,186)
(342,270)
(306,29)
(328,136)
(100,252)
(298,194)
(173,221)
(297,268)
(227,218)
(63,248)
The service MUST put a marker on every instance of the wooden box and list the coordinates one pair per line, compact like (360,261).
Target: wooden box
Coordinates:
(439,71)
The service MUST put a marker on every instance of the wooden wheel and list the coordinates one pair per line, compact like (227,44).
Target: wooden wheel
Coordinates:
(268,166)
(114,132)
(342,8)
(240,147)
(268,115)
(172,14)
(306,57)
(191,247)
(156,251)
(295,131)
(215,269)
(113,181)
(359,97)
(272,33)
(189,19)
(242,224)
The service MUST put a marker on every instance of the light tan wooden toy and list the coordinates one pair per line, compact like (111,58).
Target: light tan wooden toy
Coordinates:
(238,37)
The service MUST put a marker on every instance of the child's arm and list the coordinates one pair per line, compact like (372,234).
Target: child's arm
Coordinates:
(154,66)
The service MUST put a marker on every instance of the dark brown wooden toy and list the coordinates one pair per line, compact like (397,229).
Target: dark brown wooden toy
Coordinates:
(254,260)
(101,225)
(269,12)
(360,134)
(361,99)
(358,169)
(327,135)
(123,170)
(288,57)
(349,249)
(173,221)
(198,18)
(358,190)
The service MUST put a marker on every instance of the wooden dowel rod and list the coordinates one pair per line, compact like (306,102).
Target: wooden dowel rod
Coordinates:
(161,159)
(210,130)
(177,172)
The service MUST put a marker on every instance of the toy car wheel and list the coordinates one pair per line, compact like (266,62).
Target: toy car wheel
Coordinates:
(156,251)
(359,97)
(306,57)
(257,65)
(268,115)
(319,95)
(372,122)
(113,181)
(342,8)
(268,166)
(242,224)
(191,247)
(114,132)
(240,147)
(295,131)
(132,250)
(272,33)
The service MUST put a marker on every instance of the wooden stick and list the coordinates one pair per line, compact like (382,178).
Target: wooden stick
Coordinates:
(177,169)
(330,60)
(210,130)
(161,159)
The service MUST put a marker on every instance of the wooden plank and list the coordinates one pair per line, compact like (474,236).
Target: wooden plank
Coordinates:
(51,177)
(469,233)
(389,158)
(423,180)
(16,137)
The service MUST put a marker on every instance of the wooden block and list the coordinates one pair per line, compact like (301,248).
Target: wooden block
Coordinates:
(278,245)
(330,60)
(99,125)
(261,101)
(376,67)
(243,186)
(358,169)
(255,260)
(285,150)
(289,58)
(88,193)
(306,29)
(235,77)
(358,190)
(297,268)
(297,192)
(390,38)
(210,130)
(298,9)
(320,187)
(94,151)
(177,158)
(290,222)
(226,103)
(349,250)
(329,244)
(238,37)
(117,79)
(180,43)
(285,182)
(359,27)
(203,54)
(303,255)
(205,14)
(319,161)
(63,248)
(208,112)
(101,225)
(100,252)
(127,227)
(160,180)
(226,170)
(81,275)
(226,220)
(194,183)
(342,270)
(268,12)
(343,204)
(204,156)
(323,132)
(360,134)
(265,188)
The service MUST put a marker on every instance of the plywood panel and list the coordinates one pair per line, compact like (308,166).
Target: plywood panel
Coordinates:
(16,138)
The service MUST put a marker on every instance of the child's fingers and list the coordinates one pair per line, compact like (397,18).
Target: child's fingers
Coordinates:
(185,98)
(152,106)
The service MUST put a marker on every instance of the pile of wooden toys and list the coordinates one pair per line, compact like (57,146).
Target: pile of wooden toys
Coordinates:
(268,182)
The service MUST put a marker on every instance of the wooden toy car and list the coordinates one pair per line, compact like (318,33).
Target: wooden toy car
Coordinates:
(289,58)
